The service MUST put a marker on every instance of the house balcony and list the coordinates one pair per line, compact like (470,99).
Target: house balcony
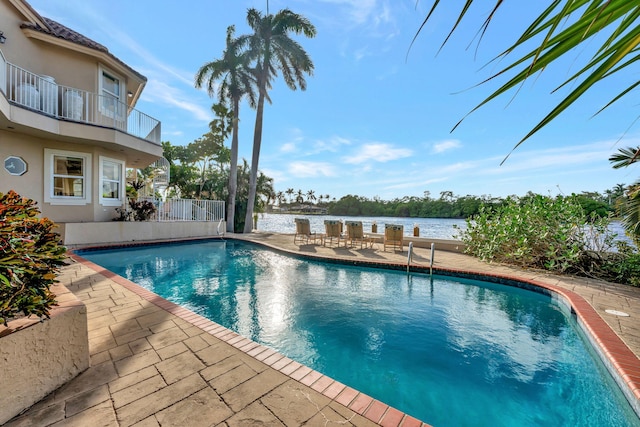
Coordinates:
(41,94)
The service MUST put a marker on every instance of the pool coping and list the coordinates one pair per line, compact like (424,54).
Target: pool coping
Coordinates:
(617,357)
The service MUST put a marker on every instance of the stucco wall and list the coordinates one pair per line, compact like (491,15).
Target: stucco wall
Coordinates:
(96,233)
(30,184)
(36,357)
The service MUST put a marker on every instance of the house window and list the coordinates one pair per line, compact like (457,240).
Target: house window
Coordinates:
(67,177)
(111,181)
(111,95)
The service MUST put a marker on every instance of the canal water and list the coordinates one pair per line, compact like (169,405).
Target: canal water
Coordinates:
(436,228)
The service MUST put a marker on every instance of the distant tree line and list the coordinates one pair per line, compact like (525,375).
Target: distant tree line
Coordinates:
(447,205)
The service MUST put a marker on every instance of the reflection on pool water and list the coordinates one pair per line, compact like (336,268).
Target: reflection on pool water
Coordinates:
(449,351)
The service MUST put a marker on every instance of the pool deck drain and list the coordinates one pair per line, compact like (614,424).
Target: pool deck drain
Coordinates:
(156,364)
(617,313)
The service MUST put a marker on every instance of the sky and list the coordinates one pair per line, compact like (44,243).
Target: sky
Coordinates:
(376,118)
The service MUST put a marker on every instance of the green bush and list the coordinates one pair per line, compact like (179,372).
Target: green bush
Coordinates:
(30,256)
(536,231)
(553,234)
(624,265)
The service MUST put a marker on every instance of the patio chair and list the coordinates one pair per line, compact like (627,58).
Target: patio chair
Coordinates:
(355,234)
(393,236)
(333,231)
(303,232)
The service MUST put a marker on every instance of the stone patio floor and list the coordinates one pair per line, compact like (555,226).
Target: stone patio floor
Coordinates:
(156,364)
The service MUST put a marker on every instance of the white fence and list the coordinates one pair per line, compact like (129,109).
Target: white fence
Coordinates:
(187,210)
(43,94)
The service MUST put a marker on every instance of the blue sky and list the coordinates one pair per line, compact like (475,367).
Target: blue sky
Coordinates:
(374,121)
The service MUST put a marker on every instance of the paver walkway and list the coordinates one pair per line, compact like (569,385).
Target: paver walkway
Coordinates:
(156,364)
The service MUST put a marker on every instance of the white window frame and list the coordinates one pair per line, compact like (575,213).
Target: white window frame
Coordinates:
(49,194)
(108,201)
(103,93)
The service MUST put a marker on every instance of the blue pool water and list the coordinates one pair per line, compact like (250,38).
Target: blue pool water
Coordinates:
(449,351)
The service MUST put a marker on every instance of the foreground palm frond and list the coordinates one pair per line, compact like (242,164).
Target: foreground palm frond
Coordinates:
(562,27)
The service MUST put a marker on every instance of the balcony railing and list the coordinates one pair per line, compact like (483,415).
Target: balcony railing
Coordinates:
(44,95)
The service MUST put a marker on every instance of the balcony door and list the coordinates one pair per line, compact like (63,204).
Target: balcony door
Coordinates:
(111,93)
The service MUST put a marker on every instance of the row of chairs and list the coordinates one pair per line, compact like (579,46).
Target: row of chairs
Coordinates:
(335,234)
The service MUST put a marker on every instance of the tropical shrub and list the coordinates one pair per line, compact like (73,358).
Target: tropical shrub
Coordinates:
(139,210)
(142,209)
(537,232)
(624,265)
(552,234)
(30,256)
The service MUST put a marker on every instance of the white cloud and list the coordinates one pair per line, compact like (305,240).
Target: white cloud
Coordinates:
(377,152)
(159,91)
(288,147)
(172,133)
(360,11)
(419,184)
(333,144)
(304,169)
(361,53)
(446,145)
(553,158)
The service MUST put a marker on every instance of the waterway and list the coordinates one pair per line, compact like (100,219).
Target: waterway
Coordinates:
(436,228)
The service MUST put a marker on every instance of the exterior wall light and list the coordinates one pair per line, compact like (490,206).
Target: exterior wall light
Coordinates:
(2,37)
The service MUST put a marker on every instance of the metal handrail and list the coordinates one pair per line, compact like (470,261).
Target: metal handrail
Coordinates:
(44,95)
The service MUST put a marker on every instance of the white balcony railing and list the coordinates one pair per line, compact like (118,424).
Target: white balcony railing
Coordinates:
(43,94)
(3,74)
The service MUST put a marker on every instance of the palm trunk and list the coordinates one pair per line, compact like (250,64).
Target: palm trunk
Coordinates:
(233,170)
(257,141)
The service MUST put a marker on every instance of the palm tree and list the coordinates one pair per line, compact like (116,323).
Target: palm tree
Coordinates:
(631,213)
(311,196)
(561,28)
(272,49)
(630,205)
(290,192)
(280,197)
(236,81)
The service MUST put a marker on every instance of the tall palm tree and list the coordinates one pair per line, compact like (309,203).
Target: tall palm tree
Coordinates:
(272,49)
(236,81)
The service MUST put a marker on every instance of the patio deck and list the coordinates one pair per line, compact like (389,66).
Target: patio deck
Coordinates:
(156,364)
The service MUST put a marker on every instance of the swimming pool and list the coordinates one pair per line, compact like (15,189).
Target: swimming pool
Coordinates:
(447,351)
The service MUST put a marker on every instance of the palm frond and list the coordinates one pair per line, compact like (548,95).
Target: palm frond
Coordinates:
(562,27)
(631,213)
(625,157)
